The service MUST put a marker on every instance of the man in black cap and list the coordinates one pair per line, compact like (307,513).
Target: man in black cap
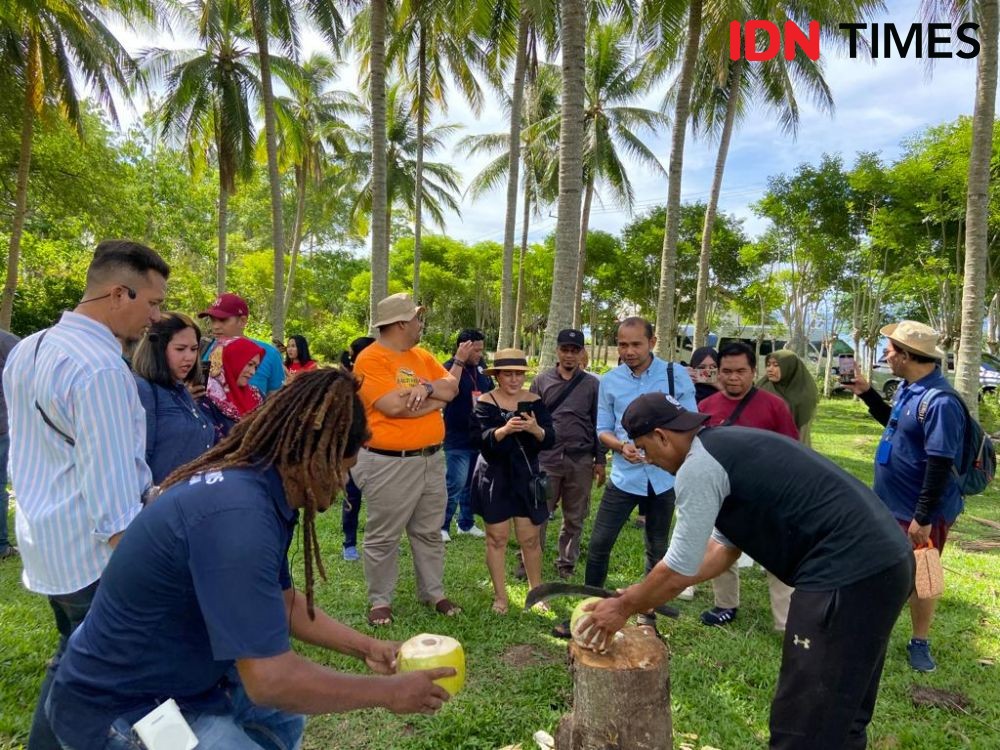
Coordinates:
(808,522)
(577,458)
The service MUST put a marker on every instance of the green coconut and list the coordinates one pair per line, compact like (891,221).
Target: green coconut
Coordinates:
(428,651)
(578,615)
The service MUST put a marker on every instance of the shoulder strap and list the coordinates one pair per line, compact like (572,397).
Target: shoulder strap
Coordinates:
(566,390)
(670,378)
(740,406)
(45,417)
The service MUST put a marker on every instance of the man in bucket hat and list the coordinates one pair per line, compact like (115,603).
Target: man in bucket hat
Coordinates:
(402,470)
(914,459)
(808,522)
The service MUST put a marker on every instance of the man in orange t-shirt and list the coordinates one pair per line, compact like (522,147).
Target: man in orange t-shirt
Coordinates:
(402,470)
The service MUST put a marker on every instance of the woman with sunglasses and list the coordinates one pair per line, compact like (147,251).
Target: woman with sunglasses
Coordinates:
(167,371)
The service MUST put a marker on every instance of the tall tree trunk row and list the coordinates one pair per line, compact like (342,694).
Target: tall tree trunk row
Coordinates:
(573,22)
(220,268)
(32,94)
(581,262)
(977,210)
(301,178)
(508,321)
(519,309)
(419,178)
(701,297)
(380,222)
(260,33)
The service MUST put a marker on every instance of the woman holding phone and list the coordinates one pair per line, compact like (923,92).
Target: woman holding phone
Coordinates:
(168,374)
(704,372)
(514,426)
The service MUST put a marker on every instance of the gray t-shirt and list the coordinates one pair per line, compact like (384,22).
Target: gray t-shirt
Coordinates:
(801,516)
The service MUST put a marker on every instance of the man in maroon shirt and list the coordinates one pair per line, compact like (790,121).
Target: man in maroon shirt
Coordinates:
(739,402)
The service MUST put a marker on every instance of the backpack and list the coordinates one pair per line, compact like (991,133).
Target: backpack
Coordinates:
(977,464)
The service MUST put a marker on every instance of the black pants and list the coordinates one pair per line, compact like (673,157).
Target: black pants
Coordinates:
(349,513)
(832,659)
(615,509)
(69,611)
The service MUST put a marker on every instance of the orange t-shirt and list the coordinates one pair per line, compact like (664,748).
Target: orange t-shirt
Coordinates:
(382,370)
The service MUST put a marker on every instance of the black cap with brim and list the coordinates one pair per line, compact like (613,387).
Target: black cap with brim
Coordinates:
(659,410)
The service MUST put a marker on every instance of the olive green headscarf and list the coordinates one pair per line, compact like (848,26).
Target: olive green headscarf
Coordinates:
(796,386)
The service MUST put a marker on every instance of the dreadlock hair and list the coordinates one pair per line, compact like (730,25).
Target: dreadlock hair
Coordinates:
(305,431)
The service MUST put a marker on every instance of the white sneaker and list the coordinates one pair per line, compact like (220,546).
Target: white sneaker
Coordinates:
(687,594)
(445,536)
(474,531)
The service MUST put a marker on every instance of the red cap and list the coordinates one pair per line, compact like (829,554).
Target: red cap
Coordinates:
(226,306)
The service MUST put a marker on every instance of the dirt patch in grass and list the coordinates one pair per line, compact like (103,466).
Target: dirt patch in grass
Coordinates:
(524,655)
(928,696)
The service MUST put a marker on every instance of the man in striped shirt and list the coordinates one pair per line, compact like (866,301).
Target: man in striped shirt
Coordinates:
(78,439)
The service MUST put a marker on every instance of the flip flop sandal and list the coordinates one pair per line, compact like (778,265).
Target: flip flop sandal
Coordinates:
(447,608)
(380,617)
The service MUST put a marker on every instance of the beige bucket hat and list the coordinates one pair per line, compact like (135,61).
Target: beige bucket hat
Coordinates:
(396,308)
(915,337)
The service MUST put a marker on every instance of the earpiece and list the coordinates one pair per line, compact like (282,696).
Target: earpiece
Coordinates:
(130,291)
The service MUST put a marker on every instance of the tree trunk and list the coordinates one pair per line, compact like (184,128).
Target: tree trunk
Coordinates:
(666,325)
(380,223)
(508,325)
(977,211)
(701,297)
(418,197)
(220,268)
(301,176)
(621,699)
(519,309)
(260,33)
(581,262)
(573,23)
(32,95)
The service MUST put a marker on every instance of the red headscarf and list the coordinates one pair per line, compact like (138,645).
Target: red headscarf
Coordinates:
(235,355)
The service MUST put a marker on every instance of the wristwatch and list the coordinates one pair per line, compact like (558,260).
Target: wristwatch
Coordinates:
(430,388)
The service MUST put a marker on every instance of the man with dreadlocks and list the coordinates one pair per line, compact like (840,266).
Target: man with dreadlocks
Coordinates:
(197,602)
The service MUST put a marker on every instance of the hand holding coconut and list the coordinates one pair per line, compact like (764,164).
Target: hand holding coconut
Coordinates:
(381,656)
(418,692)
(595,622)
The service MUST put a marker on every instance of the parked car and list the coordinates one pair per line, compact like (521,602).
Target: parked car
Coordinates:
(886,383)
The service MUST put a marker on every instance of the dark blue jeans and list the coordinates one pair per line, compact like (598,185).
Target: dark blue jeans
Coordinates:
(460,464)
(349,514)
(69,611)
(615,509)
(4,497)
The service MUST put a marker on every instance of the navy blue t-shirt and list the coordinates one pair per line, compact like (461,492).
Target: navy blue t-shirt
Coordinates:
(458,424)
(900,476)
(196,583)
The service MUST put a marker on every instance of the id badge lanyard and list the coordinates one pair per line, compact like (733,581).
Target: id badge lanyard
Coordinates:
(884,450)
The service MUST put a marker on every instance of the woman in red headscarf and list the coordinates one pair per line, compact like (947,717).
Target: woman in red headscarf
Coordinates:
(230,396)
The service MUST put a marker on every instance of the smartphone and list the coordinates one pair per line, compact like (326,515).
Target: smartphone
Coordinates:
(845,368)
(704,375)
(525,407)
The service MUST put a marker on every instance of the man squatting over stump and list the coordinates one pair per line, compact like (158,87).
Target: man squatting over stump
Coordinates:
(808,522)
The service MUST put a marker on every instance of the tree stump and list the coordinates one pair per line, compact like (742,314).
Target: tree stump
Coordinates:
(621,699)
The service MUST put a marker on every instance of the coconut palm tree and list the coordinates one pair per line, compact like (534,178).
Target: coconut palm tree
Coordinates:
(614,81)
(432,45)
(377,16)
(279,17)
(441,181)
(969,357)
(663,22)
(311,128)
(725,90)
(47,49)
(573,39)
(209,98)
(539,157)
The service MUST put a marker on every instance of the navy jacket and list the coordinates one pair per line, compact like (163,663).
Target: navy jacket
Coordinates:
(177,430)
(459,429)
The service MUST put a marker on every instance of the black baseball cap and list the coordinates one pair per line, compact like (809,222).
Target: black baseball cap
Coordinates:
(570,336)
(652,410)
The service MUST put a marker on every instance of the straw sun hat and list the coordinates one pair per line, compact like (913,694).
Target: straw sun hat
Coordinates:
(508,359)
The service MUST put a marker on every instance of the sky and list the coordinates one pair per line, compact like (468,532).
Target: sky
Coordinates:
(878,106)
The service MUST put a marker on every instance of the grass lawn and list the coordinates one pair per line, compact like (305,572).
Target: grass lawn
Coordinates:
(721,679)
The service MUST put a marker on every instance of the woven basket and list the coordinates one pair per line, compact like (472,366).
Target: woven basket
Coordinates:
(930,575)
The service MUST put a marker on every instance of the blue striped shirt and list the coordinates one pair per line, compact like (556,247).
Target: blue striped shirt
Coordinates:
(619,388)
(71,500)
